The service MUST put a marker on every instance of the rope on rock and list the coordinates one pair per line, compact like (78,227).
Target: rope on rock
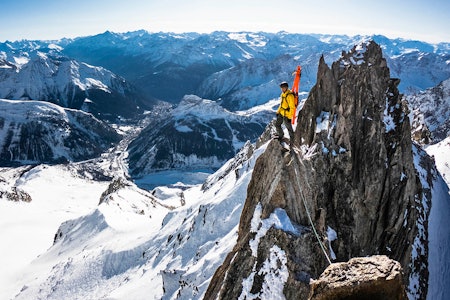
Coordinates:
(307,211)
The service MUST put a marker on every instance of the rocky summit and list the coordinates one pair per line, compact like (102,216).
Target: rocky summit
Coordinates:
(348,189)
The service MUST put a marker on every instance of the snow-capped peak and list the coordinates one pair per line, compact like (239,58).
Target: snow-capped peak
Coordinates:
(202,108)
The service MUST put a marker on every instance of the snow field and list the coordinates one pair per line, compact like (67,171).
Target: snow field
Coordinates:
(441,153)
(28,229)
(131,246)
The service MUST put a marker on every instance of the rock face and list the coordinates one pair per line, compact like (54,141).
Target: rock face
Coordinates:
(375,277)
(352,177)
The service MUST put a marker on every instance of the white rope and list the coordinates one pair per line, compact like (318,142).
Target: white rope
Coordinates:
(309,216)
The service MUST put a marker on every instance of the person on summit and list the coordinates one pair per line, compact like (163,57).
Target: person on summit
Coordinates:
(285,113)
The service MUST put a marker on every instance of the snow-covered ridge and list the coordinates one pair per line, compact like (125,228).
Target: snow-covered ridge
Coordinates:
(197,134)
(37,131)
(45,74)
(431,108)
(21,111)
(441,154)
(42,77)
(253,39)
(207,110)
(202,108)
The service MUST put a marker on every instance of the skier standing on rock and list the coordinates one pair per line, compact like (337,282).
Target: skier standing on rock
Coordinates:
(285,113)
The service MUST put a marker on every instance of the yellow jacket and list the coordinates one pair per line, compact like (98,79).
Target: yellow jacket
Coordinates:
(287,105)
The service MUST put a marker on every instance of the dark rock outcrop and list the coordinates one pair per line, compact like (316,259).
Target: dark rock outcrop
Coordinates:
(375,277)
(115,185)
(353,175)
(16,195)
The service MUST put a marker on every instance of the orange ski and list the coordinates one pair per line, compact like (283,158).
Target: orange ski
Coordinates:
(295,86)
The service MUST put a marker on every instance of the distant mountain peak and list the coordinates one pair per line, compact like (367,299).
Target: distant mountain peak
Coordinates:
(49,76)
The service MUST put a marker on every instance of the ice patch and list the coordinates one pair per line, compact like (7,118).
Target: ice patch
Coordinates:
(55,47)
(275,274)
(278,219)
(388,119)
(324,149)
(94,83)
(322,121)
(332,236)
(21,60)
(183,128)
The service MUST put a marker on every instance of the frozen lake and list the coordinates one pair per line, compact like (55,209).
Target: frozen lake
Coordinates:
(173,178)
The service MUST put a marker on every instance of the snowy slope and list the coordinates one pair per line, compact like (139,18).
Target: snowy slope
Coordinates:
(438,226)
(34,75)
(28,229)
(431,115)
(132,245)
(441,154)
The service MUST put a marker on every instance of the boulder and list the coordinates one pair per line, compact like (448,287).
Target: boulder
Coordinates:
(375,277)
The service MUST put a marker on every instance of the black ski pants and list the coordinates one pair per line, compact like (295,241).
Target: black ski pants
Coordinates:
(287,122)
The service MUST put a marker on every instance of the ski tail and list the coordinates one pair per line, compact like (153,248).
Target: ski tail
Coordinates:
(295,87)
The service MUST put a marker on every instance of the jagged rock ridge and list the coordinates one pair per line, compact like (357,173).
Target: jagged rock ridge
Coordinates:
(356,176)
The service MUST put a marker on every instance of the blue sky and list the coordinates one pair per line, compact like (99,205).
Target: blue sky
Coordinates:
(54,19)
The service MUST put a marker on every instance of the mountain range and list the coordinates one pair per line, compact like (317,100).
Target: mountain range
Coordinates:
(117,77)
(167,66)
(116,107)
